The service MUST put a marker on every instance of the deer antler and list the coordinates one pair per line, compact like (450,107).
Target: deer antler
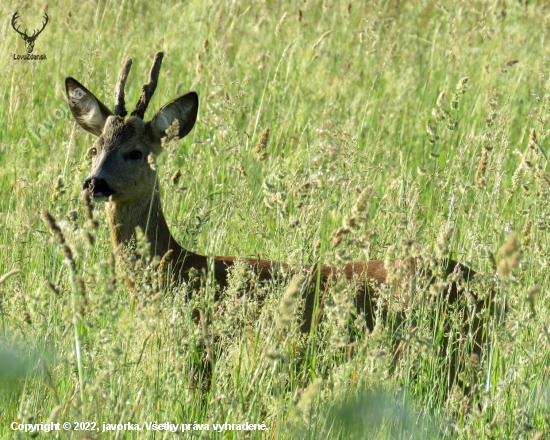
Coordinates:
(120,108)
(13,20)
(148,89)
(37,32)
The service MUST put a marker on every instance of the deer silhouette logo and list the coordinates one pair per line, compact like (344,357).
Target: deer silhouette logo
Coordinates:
(29,39)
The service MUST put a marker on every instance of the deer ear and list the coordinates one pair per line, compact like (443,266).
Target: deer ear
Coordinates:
(88,111)
(184,109)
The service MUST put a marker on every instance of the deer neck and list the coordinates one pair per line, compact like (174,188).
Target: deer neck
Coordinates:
(147,215)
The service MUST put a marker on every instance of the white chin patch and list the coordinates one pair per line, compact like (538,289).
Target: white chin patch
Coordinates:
(99,198)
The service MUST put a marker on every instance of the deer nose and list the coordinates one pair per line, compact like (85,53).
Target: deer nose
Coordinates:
(98,187)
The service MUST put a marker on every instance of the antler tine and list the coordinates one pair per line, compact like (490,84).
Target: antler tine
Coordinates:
(120,108)
(13,22)
(44,23)
(148,89)
(37,32)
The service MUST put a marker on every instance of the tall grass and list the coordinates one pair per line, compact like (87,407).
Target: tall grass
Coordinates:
(425,120)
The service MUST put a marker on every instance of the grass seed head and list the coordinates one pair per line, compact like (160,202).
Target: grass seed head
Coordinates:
(53,227)
(532,295)
(59,188)
(175,177)
(443,243)
(262,142)
(342,230)
(432,130)
(287,306)
(462,85)
(362,202)
(152,161)
(510,255)
(199,69)
(317,249)
(281,21)
(440,102)
(533,135)
(511,246)
(320,40)
(526,233)
(336,241)
(481,168)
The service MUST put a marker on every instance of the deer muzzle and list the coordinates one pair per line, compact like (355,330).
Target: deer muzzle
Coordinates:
(99,188)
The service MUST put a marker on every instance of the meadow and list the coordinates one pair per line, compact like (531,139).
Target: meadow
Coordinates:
(424,120)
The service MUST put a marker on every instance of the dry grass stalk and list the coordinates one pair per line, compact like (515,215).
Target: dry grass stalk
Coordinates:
(320,40)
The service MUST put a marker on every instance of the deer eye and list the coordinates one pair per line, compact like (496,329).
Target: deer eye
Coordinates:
(93,151)
(135,155)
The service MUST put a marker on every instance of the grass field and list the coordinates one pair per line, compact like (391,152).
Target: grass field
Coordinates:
(432,104)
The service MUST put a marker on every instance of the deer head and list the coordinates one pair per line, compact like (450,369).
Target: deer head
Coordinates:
(29,39)
(121,171)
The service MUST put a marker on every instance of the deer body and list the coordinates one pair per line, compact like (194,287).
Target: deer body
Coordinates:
(122,176)
(148,215)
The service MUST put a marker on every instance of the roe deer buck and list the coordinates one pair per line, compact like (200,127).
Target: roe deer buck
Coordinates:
(122,176)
